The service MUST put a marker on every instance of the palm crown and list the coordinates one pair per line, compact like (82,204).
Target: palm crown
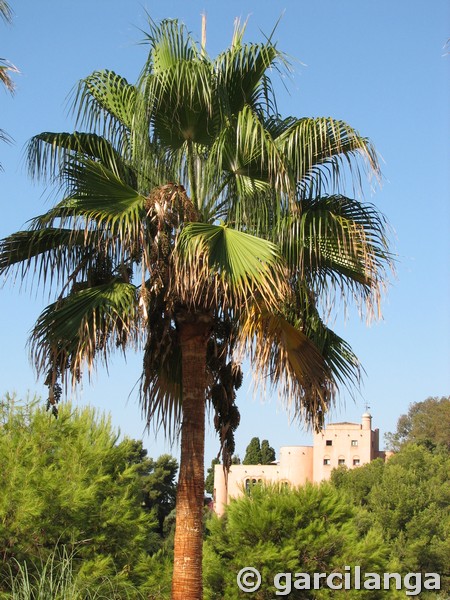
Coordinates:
(191,203)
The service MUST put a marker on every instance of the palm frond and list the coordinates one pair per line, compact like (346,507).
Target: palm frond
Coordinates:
(180,102)
(256,171)
(6,68)
(161,389)
(338,355)
(170,42)
(339,243)
(215,261)
(242,76)
(52,254)
(5,11)
(99,197)
(85,326)
(48,153)
(318,149)
(285,356)
(105,104)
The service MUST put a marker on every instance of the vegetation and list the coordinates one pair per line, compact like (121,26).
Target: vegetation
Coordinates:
(57,579)
(408,500)
(68,482)
(6,67)
(258,453)
(196,223)
(278,530)
(426,422)
(84,516)
(209,480)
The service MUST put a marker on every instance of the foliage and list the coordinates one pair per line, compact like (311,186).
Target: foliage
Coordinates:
(253,452)
(159,488)
(408,498)
(68,482)
(258,453)
(277,530)
(358,482)
(426,422)
(57,579)
(6,68)
(267,453)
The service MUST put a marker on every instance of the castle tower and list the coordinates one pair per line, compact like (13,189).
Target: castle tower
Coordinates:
(366,420)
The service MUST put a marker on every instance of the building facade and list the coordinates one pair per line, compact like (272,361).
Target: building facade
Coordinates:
(349,444)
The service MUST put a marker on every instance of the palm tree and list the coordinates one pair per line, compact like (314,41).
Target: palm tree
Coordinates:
(199,225)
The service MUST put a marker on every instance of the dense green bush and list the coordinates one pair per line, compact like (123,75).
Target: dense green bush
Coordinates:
(67,481)
(277,529)
(408,498)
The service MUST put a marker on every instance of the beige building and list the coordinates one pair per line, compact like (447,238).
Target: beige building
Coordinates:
(349,444)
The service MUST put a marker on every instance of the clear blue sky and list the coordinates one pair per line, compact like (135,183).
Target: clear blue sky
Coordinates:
(381,66)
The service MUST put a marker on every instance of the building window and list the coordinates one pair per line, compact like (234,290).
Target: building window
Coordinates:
(249,483)
(354,442)
(329,443)
(356,462)
(327,461)
(341,461)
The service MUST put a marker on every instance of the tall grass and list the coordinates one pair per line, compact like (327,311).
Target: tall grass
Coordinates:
(58,580)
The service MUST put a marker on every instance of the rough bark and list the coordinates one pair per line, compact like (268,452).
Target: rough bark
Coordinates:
(187,571)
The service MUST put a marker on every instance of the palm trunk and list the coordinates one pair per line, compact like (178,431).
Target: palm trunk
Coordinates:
(187,569)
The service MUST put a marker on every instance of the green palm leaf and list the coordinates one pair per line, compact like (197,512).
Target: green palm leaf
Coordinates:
(243,266)
(48,152)
(339,243)
(169,43)
(106,104)
(318,149)
(242,76)
(74,330)
(181,104)
(54,252)
(102,200)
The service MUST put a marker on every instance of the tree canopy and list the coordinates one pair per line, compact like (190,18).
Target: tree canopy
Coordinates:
(408,498)
(258,453)
(278,530)
(426,422)
(70,482)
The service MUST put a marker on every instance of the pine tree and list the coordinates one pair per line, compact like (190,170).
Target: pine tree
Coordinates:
(278,530)
(68,482)
(253,453)
(259,453)
(267,453)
